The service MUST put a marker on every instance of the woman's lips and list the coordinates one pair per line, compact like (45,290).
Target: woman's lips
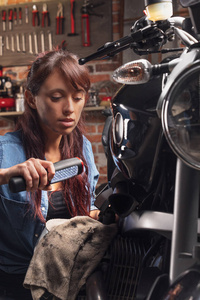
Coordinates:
(68,122)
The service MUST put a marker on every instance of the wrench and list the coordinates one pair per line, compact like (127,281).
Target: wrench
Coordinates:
(30,43)
(42,41)
(23,43)
(1,45)
(35,42)
(17,42)
(50,40)
(12,43)
(7,43)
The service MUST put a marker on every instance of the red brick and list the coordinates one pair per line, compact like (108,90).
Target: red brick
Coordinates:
(22,75)
(102,179)
(116,28)
(94,117)
(11,2)
(115,7)
(5,130)
(91,128)
(99,77)
(94,148)
(116,36)
(94,138)
(4,123)
(116,18)
(106,67)
(91,68)
(100,159)
(100,128)
(103,170)
(100,149)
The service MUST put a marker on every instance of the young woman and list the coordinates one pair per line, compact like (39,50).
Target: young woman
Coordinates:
(51,129)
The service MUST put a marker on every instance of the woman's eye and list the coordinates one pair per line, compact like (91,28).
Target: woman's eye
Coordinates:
(55,98)
(78,98)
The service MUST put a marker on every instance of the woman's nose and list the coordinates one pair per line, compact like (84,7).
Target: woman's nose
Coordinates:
(68,105)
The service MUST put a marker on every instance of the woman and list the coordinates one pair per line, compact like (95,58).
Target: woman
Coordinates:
(51,129)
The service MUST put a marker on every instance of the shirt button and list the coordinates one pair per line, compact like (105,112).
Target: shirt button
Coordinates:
(36,235)
(43,208)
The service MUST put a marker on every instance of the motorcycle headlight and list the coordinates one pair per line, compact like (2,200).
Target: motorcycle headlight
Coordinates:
(181,116)
(135,130)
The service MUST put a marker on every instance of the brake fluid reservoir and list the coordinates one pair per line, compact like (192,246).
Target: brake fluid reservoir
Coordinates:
(158,10)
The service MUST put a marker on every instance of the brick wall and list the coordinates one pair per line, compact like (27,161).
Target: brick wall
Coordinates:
(100,72)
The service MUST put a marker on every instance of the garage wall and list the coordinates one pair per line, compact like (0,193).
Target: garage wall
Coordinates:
(100,71)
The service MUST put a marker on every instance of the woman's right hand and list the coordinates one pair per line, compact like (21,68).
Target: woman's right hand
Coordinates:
(36,172)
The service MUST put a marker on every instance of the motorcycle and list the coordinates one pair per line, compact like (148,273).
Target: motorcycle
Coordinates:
(153,141)
(152,148)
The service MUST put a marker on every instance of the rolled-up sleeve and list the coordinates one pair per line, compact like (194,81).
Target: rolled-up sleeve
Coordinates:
(93,174)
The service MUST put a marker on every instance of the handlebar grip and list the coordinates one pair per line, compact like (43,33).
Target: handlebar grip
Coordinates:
(64,169)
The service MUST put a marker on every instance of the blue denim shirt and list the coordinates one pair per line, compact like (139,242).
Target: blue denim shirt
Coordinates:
(19,230)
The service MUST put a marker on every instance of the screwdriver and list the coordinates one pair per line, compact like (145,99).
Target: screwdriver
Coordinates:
(15,16)
(20,15)
(10,19)
(4,19)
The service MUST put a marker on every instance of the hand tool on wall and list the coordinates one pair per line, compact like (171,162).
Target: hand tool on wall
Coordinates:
(20,15)
(7,43)
(42,41)
(15,16)
(45,16)
(26,15)
(35,42)
(4,19)
(86,11)
(35,16)
(30,43)
(12,43)
(85,25)
(17,43)
(59,19)
(10,18)
(1,45)
(50,40)
(23,43)
(72,18)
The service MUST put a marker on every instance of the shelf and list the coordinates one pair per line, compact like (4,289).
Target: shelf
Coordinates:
(94,108)
(13,114)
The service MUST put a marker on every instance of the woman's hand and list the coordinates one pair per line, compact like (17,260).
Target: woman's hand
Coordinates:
(36,172)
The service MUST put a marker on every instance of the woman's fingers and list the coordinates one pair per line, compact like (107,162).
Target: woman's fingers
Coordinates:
(41,172)
(36,172)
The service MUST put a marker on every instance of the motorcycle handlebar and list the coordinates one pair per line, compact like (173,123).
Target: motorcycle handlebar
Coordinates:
(147,32)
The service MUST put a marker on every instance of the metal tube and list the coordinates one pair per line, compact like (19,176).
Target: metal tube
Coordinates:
(186,206)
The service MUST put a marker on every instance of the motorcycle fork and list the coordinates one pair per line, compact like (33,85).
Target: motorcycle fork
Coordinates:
(185,225)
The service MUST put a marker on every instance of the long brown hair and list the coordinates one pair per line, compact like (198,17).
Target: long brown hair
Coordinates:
(76,190)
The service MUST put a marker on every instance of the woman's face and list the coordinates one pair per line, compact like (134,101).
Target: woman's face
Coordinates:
(59,108)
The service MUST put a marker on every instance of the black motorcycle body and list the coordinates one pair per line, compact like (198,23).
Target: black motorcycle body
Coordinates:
(154,188)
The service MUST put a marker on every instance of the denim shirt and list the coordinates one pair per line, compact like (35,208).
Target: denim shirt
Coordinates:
(19,230)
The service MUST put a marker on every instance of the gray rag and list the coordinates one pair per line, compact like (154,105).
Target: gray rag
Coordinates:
(66,256)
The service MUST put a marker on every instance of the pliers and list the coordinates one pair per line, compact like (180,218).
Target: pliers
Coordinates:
(59,19)
(45,16)
(35,16)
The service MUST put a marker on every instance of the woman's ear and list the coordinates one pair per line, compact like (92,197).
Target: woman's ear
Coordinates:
(30,99)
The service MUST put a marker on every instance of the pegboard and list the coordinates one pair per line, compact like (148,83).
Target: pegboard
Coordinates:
(100,31)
